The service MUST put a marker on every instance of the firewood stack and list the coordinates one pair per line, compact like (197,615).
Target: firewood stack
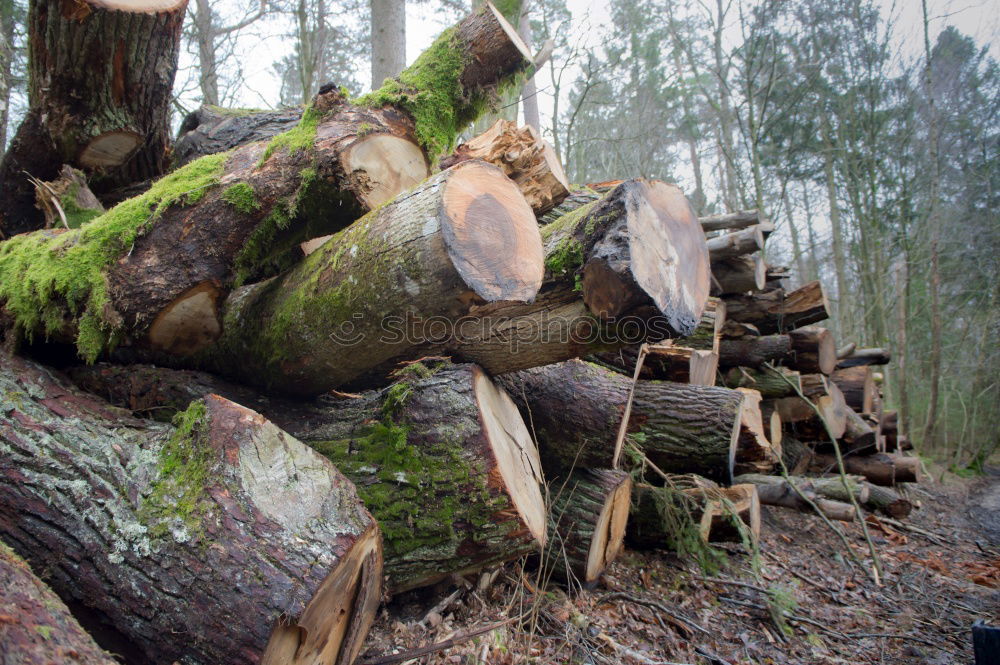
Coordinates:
(376,360)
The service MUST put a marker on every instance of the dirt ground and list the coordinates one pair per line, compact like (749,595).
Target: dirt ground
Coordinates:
(805,604)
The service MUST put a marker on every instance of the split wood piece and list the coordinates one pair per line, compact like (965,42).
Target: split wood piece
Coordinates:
(681,364)
(37,628)
(858,387)
(771,382)
(775,311)
(888,501)
(99,98)
(67,201)
(739,274)
(576,409)
(865,357)
(155,270)
(732,221)
(153,528)
(212,129)
(800,419)
(880,469)
(776,277)
(343,316)
(737,243)
(809,350)
(524,157)
(442,457)
(776,491)
(588,515)
(657,514)
(578,197)
(795,455)
(754,450)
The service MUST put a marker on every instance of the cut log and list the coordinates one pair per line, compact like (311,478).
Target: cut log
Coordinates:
(147,264)
(211,129)
(578,197)
(859,438)
(737,243)
(858,387)
(809,350)
(661,517)
(776,491)
(880,469)
(588,515)
(800,418)
(738,275)
(888,501)
(770,382)
(345,314)
(224,528)
(754,451)
(524,157)
(775,311)
(37,628)
(441,457)
(731,221)
(576,408)
(99,98)
(865,357)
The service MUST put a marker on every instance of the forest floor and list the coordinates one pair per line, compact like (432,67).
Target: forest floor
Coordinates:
(805,603)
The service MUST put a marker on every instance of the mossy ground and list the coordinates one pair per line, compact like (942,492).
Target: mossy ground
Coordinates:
(48,279)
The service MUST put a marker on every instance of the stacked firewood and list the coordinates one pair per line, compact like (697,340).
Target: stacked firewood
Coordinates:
(333,364)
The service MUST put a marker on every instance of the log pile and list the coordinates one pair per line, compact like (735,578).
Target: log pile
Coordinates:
(333,357)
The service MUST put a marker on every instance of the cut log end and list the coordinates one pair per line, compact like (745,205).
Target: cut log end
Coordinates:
(188,324)
(139,6)
(383,166)
(609,531)
(334,624)
(491,234)
(519,466)
(110,149)
(511,33)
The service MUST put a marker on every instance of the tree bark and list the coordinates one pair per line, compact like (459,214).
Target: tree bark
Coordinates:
(888,501)
(827,494)
(776,311)
(800,419)
(210,130)
(150,526)
(739,274)
(754,450)
(865,357)
(576,408)
(144,264)
(858,387)
(588,515)
(98,98)
(808,350)
(771,383)
(37,628)
(524,157)
(880,469)
(388,39)
(730,221)
(737,243)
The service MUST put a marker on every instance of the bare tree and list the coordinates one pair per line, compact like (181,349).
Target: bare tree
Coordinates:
(207,33)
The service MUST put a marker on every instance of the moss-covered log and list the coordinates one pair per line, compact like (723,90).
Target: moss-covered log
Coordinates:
(809,350)
(37,628)
(222,528)
(212,129)
(588,514)
(441,457)
(100,77)
(774,311)
(154,270)
(371,296)
(576,408)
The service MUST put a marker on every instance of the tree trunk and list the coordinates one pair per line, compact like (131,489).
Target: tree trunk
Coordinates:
(737,243)
(731,221)
(800,418)
(524,157)
(808,350)
(880,469)
(588,515)
(576,408)
(858,387)
(388,39)
(223,529)
(38,629)
(121,277)
(770,383)
(827,494)
(739,274)
(776,311)
(210,130)
(865,357)
(98,99)
(888,501)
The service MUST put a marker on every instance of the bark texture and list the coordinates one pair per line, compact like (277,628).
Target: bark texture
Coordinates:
(211,129)
(660,518)
(153,528)
(99,90)
(880,469)
(576,408)
(858,387)
(775,311)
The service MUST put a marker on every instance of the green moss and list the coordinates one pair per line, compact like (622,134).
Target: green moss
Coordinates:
(566,258)
(299,138)
(366,128)
(47,278)
(44,631)
(242,197)
(177,497)
(76,216)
